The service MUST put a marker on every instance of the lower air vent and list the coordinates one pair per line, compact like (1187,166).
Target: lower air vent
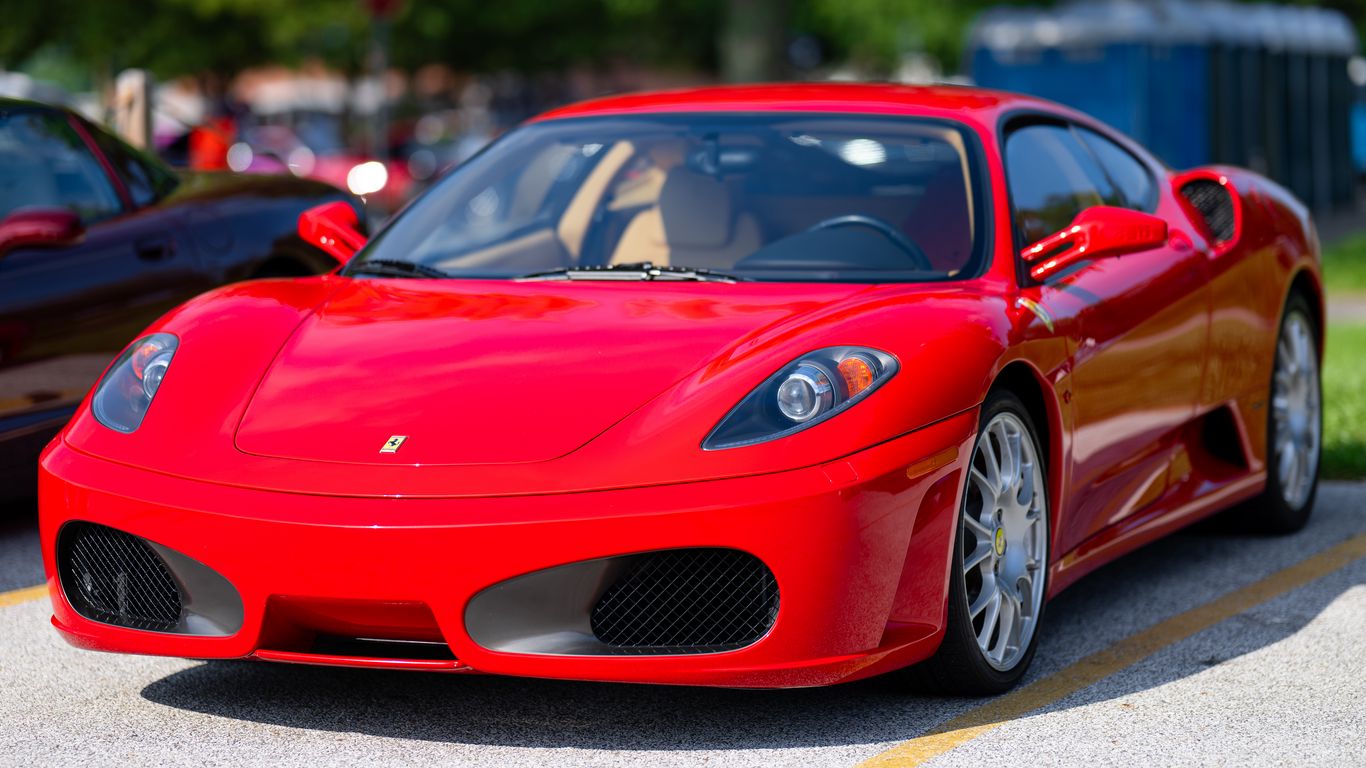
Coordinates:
(687,601)
(1215,205)
(117,578)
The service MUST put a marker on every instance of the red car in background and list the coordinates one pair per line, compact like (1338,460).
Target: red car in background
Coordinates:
(278,149)
(767,386)
(98,239)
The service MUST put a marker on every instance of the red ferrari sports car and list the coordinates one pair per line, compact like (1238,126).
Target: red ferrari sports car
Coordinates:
(764,387)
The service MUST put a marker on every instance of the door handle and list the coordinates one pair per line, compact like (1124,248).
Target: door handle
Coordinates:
(154,248)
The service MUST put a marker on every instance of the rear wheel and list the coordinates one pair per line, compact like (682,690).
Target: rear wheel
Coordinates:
(1294,434)
(1000,560)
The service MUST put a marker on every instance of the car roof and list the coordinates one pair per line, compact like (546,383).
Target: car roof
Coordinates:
(7,102)
(865,98)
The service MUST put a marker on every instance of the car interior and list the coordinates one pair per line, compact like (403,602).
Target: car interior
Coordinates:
(760,201)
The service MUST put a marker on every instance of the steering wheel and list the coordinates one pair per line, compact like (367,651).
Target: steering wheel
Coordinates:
(883,228)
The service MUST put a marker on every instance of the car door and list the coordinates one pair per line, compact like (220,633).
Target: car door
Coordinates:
(1139,324)
(66,310)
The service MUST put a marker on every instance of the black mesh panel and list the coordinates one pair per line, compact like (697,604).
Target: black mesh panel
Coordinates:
(1215,204)
(116,578)
(688,601)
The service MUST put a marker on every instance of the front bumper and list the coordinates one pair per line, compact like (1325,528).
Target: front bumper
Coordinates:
(859,548)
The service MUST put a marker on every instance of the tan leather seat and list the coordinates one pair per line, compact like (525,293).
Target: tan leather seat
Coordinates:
(941,222)
(693,225)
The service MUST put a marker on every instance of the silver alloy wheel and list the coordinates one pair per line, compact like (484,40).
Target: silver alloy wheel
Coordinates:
(1004,537)
(1295,409)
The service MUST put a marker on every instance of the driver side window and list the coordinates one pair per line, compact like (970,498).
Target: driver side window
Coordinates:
(44,163)
(1052,178)
(147,181)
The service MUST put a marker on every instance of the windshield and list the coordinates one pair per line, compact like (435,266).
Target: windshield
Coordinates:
(760,197)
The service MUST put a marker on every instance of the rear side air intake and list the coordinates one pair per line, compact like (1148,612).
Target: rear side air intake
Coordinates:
(1214,203)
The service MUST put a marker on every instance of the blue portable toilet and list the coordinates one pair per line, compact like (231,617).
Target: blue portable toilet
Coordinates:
(1119,60)
(1197,81)
(1185,75)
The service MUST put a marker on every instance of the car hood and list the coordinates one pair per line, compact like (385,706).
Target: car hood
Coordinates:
(201,186)
(455,367)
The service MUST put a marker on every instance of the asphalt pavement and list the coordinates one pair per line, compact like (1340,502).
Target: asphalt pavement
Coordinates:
(1204,649)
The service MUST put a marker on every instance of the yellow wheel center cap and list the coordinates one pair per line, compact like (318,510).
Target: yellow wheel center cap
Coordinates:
(1000,541)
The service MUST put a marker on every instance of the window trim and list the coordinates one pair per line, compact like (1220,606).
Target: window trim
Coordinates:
(120,188)
(976,154)
(1150,207)
(145,159)
(1017,119)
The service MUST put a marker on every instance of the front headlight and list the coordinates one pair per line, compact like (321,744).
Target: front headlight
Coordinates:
(803,393)
(124,394)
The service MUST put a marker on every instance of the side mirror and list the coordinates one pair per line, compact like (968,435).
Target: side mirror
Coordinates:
(334,228)
(1096,232)
(39,228)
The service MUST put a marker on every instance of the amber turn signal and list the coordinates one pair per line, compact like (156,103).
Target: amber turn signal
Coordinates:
(858,374)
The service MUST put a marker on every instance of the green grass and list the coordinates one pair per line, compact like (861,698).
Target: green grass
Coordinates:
(1344,266)
(1344,402)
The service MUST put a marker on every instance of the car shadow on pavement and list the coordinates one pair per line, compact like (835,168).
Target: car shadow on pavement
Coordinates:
(20,562)
(1161,580)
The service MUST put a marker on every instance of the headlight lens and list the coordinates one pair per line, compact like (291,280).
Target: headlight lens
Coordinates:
(803,393)
(124,394)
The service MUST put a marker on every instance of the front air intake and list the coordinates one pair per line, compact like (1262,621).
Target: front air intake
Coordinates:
(117,578)
(1215,206)
(687,601)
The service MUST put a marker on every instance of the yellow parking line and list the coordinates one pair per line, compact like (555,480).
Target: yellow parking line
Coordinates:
(1123,654)
(25,595)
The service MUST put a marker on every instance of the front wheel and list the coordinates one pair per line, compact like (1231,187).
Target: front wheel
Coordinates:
(1000,560)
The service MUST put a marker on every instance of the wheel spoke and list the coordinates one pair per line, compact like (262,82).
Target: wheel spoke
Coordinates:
(1286,466)
(1301,335)
(1010,459)
(1287,357)
(993,465)
(1026,494)
(1008,613)
(978,555)
(1301,472)
(989,621)
(984,599)
(979,530)
(984,486)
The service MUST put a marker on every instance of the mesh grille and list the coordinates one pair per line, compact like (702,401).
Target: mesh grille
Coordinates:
(116,578)
(1215,204)
(688,601)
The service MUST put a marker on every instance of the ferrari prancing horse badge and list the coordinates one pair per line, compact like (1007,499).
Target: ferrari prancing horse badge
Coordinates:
(392,444)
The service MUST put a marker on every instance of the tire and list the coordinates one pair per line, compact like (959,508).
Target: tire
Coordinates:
(1294,426)
(1017,548)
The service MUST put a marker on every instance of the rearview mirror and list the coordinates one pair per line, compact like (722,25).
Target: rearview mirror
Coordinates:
(39,228)
(1096,232)
(334,228)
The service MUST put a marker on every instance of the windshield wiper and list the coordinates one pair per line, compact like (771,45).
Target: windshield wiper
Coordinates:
(395,268)
(642,270)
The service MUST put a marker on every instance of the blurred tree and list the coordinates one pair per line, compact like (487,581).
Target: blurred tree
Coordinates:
(740,39)
(532,35)
(874,35)
(214,38)
(754,40)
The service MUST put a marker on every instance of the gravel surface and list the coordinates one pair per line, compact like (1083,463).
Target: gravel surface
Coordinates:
(1284,683)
